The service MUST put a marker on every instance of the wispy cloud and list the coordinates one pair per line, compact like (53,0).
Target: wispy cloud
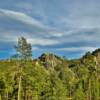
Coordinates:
(74,49)
(12,36)
(42,41)
(21,17)
(58,25)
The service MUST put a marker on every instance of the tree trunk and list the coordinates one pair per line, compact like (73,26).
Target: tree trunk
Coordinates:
(7,95)
(90,90)
(19,88)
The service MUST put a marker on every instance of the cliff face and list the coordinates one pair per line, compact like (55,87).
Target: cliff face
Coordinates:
(50,60)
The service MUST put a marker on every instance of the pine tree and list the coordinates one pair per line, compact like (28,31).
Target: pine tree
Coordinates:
(79,93)
(24,49)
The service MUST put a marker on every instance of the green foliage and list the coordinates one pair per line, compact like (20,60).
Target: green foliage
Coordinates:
(63,82)
(79,93)
(24,49)
(49,77)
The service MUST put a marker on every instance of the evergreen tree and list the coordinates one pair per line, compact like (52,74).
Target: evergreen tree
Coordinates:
(79,93)
(24,49)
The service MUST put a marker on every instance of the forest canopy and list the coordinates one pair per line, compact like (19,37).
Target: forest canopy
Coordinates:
(49,77)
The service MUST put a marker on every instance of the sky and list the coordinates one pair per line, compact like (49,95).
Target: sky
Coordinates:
(67,28)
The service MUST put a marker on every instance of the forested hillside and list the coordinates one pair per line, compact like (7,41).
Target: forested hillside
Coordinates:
(50,77)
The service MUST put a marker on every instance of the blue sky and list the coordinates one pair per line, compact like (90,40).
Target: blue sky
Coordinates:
(65,27)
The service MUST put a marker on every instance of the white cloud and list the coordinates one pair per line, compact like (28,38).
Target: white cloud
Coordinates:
(61,22)
(35,48)
(21,17)
(42,41)
(12,36)
(73,49)
(56,34)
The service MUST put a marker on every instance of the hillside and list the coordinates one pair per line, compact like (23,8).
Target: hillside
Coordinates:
(51,77)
